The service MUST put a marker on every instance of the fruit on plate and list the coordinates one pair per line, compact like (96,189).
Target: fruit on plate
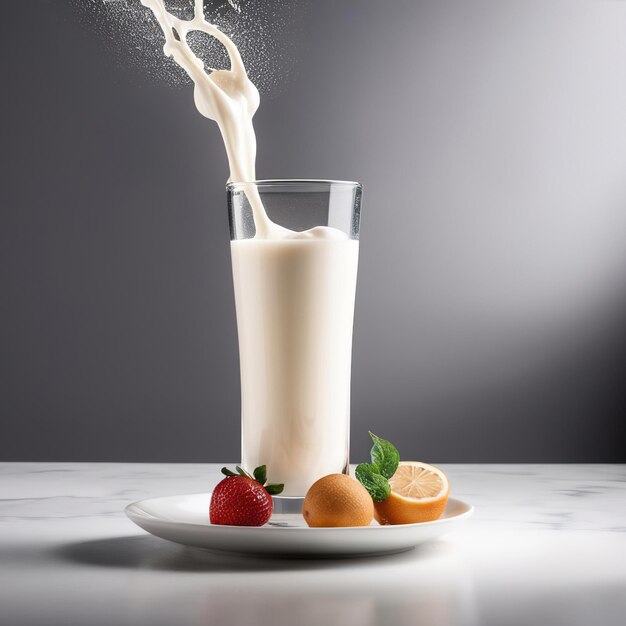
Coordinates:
(337,500)
(403,493)
(242,499)
(419,493)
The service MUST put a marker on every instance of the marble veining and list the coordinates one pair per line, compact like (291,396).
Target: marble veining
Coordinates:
(589,497)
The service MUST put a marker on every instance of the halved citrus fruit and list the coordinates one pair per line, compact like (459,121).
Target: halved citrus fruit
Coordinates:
(419,493)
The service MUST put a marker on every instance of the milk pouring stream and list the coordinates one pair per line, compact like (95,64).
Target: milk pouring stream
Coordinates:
(294,294)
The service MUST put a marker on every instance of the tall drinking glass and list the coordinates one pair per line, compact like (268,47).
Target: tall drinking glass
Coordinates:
(294,296)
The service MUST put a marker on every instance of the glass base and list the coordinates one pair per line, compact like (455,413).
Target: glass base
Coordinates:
(287,505)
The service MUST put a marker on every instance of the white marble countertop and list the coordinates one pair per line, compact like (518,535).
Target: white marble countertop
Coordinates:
(546,545)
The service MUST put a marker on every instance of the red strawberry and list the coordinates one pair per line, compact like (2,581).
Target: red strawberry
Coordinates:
(243,500)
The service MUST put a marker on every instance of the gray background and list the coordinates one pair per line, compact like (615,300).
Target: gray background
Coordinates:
(491,141)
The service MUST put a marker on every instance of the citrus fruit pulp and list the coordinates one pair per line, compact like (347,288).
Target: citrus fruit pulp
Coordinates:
(419,493)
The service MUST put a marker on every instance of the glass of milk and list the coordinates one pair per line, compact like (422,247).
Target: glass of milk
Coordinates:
(295,282)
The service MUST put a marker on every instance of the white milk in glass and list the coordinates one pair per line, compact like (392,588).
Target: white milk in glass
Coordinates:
(295,306)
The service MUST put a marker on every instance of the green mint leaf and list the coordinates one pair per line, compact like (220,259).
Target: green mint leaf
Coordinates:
(377,485)
(260,474)
(274,490)
(227,472)
(385,456)
(242,472)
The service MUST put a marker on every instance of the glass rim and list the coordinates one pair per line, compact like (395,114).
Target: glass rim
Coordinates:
(286,182)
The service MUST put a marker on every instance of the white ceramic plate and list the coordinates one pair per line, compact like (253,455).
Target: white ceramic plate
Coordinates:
(185,519)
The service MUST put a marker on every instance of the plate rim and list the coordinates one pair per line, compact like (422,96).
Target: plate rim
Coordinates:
(131,512)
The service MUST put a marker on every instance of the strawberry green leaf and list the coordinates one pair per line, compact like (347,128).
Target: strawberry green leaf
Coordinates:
(260,474)
(227,472)
(385,456)
(274,490)
(242,472)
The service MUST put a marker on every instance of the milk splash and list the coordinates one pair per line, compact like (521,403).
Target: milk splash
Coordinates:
(227,96)
(230,98)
